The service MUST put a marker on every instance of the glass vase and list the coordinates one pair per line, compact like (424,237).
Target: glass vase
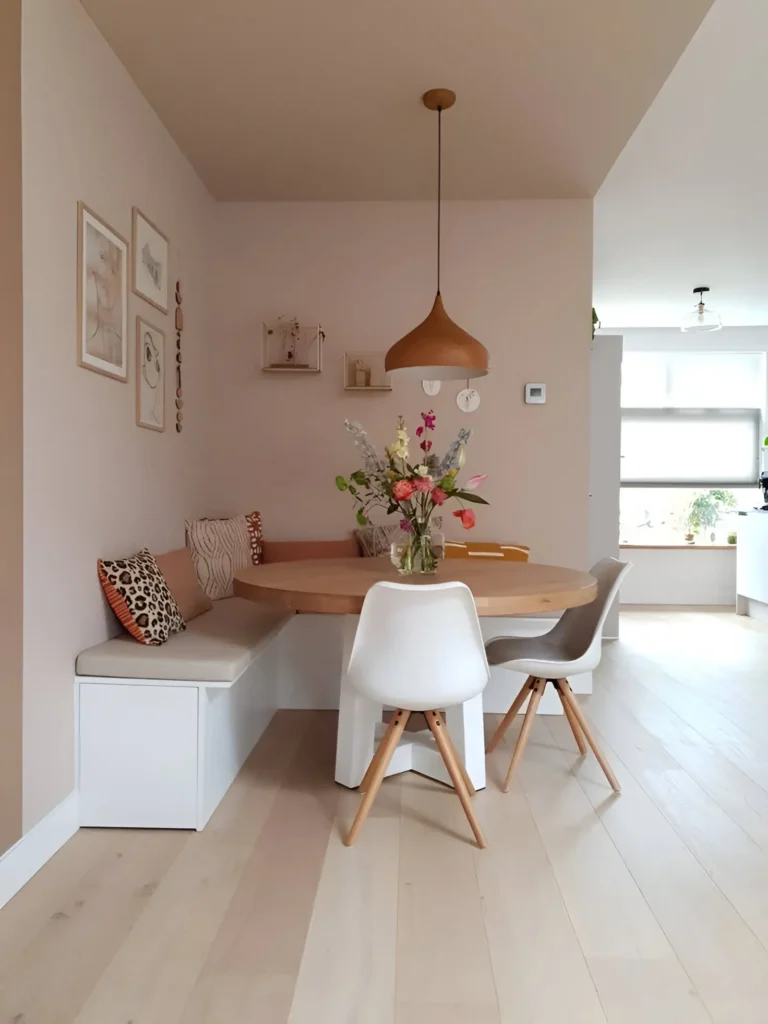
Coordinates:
(414,553)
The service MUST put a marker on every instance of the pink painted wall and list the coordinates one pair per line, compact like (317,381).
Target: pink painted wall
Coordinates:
(95,484)
(516,274)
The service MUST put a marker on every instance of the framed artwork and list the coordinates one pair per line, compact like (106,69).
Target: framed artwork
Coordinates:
(150,261)
(102,296)
(291,347)
(364,371)
(150,375)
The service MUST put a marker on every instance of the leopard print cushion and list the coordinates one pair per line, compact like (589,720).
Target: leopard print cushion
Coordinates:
(140,598)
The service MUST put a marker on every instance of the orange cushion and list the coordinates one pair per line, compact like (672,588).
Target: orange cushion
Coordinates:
(478,549)
(179,573)
(297,550)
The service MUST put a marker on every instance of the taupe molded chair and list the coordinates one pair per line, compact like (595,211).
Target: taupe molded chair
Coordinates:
(573,646)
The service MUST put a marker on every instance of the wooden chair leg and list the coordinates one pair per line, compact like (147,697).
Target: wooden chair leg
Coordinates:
(377,753)
(382,757)
(448,753)
(578,714)
(459,762)
(509,718)
(578,735)
(530,714)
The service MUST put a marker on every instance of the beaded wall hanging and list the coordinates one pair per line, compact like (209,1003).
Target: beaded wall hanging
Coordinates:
(179,389)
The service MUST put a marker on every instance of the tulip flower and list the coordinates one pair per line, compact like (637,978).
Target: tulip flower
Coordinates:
(467,517)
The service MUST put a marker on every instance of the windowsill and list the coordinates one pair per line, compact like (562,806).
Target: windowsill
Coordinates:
(679,547)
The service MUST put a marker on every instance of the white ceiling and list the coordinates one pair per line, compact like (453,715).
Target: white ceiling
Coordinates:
(302,99)
(686,202)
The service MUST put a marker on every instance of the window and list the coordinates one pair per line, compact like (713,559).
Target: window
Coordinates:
(674,447)
(690,444)
(685,380)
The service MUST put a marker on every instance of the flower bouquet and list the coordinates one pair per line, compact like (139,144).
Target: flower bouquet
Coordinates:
(412,488)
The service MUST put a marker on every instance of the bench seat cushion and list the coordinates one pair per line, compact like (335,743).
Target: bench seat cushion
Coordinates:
(216,647)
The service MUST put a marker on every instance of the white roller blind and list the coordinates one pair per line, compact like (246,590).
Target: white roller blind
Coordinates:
(695,380)
(684,447)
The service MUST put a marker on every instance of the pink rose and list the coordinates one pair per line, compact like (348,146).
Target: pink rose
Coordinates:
(402,490)
(438,495)
(467,517)
(475,481)
(423,484)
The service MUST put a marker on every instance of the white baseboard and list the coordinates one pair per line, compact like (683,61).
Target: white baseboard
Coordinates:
(33,850)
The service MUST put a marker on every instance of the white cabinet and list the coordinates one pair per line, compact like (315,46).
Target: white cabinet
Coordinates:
(752,565)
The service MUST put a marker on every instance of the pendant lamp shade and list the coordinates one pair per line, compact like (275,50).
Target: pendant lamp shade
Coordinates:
(438,349)
(701,318)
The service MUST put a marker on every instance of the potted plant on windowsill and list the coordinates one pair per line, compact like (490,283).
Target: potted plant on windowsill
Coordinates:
(705,512)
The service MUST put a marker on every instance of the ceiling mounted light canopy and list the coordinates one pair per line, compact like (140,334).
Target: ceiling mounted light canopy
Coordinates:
(701,319)
(438,349)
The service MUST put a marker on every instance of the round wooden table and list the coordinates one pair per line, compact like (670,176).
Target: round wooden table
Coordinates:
(337,586)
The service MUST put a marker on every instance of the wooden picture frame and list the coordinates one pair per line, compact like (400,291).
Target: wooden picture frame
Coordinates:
(149,265)
(102,296)
(150,375)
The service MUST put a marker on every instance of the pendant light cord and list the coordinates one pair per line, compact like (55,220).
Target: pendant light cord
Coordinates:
(439,185)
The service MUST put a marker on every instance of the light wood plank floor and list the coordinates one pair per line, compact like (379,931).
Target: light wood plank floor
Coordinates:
(648,908)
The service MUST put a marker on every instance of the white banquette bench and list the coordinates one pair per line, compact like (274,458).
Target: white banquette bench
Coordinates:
(163,731)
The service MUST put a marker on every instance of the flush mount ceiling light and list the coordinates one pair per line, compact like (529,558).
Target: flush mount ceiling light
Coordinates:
(438,349)
(701,319)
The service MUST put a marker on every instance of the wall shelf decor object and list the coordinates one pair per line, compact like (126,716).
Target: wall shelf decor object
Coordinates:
(102,296)
(438,349)
(150,262)
(364,371)
(291,347)
(150,375)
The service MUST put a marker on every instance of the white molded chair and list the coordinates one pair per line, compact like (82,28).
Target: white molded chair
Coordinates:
(573,646)
(418,648)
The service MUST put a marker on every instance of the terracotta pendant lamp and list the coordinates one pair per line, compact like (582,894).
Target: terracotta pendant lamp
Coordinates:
(438,349)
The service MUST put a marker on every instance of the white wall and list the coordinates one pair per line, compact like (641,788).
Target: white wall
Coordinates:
(516,274)
(692,575)
(95,484)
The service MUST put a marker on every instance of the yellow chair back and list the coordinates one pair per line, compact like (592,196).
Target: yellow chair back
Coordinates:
(478,549)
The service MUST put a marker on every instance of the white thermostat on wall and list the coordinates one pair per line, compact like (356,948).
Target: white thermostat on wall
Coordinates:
(535,394)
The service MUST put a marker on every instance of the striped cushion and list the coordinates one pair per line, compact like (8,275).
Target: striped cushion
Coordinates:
(477,549)
(220,547)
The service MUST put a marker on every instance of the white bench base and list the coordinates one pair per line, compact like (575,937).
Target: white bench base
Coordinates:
(162,753)
(156,753)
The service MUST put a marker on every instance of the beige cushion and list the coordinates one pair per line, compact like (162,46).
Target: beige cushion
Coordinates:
(220,547)
(179,573)
(216,647)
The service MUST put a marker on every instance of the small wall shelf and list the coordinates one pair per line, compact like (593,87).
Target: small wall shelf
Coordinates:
(368,367)
(291,347)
